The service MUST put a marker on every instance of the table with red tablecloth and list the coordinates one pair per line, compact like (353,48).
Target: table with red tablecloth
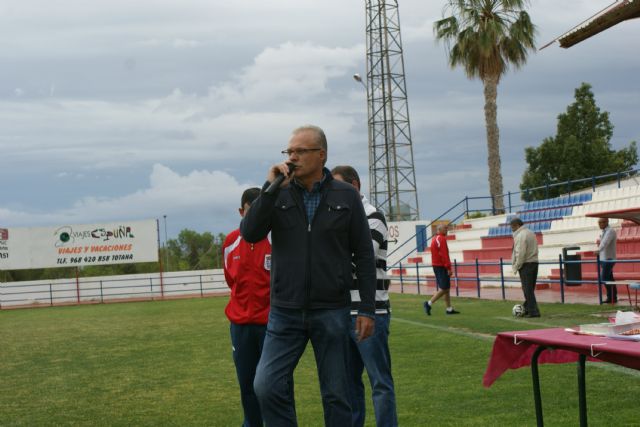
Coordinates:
(512,350)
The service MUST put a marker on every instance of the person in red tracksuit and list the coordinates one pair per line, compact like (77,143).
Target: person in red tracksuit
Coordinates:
(247,272)
(442,268)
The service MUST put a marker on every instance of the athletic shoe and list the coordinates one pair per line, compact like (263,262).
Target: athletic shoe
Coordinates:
(427,308)
(453,311)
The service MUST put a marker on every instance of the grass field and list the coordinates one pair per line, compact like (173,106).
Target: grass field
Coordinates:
(169,363)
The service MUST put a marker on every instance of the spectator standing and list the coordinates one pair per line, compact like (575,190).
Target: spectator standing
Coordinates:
(246,270)
(442,269)
(607,251)
(373,353)
(318,226)
(524,261)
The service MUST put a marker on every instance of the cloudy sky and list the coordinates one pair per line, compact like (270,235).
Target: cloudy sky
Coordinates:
(115,110)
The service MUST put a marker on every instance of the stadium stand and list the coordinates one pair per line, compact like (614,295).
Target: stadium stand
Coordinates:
(558,223)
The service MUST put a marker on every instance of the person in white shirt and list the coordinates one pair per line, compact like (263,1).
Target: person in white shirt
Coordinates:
(607,251)
(524,261)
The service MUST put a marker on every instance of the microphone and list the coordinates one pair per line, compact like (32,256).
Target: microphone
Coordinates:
(276,182)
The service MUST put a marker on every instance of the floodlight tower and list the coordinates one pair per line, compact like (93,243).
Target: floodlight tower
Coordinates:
(392,179)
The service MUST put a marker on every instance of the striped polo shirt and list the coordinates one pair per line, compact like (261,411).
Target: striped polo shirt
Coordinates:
(378,227)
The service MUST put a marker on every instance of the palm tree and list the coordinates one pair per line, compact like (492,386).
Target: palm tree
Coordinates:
(486,37)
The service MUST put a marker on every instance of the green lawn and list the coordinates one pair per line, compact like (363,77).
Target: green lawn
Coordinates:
(169,363)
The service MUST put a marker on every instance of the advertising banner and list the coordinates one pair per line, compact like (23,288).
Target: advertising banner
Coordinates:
(78,245)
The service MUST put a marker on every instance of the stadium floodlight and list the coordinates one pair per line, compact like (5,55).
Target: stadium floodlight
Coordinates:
(357,77)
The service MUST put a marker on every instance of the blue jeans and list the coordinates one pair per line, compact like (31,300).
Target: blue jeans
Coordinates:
(373,354)
(247,342)
(288,332)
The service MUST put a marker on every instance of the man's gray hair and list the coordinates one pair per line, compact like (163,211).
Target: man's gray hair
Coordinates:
(516,221)
(441,227)
(321,138)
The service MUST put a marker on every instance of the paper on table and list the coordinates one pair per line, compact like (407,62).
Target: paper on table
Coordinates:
(626,317)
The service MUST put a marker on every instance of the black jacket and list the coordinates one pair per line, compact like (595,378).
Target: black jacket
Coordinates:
(311,263)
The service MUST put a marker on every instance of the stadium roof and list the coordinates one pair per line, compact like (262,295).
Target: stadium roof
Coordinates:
(615,13)
(631,214)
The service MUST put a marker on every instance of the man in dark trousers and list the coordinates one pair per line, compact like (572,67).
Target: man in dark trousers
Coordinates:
(318,225)
(607,251)
(246,270)
(524,261)
(373,353)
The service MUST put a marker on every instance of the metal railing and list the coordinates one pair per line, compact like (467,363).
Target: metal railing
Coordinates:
(469,205)
(425,275)
(106,289)
(593,179)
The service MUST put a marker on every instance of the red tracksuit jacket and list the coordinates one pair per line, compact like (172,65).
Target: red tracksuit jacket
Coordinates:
(440,252)
(247,272)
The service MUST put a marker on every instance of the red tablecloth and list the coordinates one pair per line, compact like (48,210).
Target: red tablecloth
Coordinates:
(512,350)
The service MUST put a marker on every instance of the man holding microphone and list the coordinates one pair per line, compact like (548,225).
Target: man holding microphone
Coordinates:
(318,225)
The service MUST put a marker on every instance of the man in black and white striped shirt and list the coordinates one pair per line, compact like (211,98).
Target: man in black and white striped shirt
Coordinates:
(372,353)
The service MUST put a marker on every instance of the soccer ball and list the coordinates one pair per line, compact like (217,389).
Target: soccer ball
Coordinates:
(517,310)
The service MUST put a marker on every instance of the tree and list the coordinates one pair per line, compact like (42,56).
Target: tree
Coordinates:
(580,149)
(192,251)
(486,37)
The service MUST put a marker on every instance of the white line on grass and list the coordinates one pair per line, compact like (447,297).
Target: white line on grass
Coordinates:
(486,337)
(449,329)
(528,322)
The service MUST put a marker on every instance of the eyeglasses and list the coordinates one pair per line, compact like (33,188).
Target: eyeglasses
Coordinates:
(299,151)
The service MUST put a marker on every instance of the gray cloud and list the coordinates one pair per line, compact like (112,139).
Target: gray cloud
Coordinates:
(115,110)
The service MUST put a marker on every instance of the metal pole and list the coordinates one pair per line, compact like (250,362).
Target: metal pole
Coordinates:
(161,290)
(561,278)
(599,279)
(166,246)
(502,280)
(478,276)
(455,274)
(582,390)
(537,399)
(418,277)
(546,190)
(401,281)
(162,268)
(218,243)
(78,285)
